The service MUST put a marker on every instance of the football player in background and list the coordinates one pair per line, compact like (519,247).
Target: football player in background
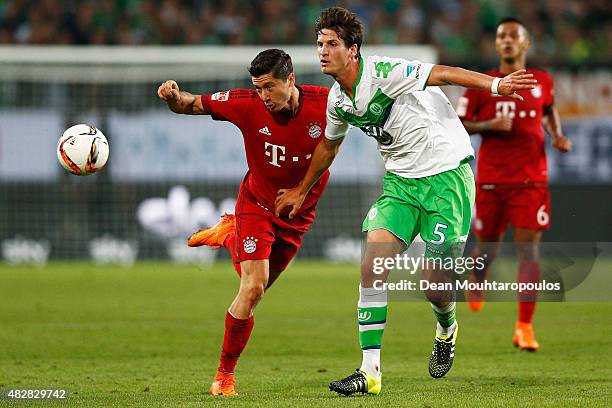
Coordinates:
(511,178)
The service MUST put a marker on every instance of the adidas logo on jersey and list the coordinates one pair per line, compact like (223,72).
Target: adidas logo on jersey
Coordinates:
(265,131)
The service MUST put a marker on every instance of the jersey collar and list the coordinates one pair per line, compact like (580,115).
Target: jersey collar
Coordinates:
(354,87)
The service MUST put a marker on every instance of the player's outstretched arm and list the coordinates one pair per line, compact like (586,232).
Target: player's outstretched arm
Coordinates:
(498,124)
(506,86)
(180,101)
(322,158)
(552,123)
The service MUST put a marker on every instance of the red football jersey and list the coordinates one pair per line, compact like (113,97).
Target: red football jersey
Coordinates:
(517,156)
(278,148)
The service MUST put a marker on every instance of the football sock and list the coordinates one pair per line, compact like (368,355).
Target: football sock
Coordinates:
(370,362)
(237,333)
(526,311)
(446,318)
(372,316)
(445,331)
(528,272)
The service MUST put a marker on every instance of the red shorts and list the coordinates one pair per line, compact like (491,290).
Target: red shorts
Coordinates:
(260,234)
(522,206)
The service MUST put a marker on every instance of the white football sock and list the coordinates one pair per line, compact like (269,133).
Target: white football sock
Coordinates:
(371,362)
(445,331)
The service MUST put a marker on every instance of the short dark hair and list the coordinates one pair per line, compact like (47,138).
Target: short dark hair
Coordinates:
(346,24)
(274,61)
(511,20)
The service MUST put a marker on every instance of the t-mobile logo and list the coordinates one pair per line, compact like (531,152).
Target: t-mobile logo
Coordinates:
(505,108)
(273,153)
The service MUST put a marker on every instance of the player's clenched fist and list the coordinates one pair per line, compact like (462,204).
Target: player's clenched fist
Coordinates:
(169,91)
(562,144)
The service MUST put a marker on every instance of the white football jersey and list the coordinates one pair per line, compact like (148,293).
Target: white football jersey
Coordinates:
(417,130)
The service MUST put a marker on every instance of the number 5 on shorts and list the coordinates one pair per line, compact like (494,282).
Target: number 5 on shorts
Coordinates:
(439,234)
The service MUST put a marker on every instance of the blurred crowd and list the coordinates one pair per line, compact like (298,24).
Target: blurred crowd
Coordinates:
(563,31)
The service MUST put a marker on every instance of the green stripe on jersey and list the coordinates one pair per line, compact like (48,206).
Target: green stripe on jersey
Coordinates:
(374,114)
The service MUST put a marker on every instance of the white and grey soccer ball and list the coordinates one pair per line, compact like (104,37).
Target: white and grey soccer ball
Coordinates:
(82,150)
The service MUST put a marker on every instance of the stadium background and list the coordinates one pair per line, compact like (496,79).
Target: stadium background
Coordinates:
(149,335)
(169,175)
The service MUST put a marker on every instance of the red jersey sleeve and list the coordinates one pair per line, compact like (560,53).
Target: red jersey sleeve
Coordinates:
(468,105)
(231,106)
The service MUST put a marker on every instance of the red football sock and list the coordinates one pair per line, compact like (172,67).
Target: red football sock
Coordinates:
(237,333)
(528,272)
(526,311)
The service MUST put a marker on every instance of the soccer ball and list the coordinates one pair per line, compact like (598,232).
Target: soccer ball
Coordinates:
(82,150)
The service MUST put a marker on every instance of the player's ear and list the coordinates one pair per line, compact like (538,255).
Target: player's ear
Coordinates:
(353,51)
(291,79)
(527,38)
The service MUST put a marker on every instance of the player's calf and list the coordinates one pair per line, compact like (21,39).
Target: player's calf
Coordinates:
(239,323)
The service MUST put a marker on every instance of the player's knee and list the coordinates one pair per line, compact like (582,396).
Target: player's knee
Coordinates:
(252,292)
(437,286)
(440,298)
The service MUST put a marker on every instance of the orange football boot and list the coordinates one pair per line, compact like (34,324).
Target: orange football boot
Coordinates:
(215,235)
(475,299)
(224,384)
(524,337)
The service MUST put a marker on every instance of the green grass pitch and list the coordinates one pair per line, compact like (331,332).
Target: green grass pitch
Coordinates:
(150,336)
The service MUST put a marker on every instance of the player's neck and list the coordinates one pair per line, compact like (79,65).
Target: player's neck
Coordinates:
(508,67)
(349,77)
(293,105)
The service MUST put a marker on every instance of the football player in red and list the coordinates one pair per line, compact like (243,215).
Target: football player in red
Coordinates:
(511,180)
(281,124)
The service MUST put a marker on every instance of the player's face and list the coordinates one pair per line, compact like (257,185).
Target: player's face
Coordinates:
(274,92)
(511,41)
(334,56)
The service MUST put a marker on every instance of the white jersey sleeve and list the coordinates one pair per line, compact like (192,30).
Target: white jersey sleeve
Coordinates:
(336,127)
(397,76)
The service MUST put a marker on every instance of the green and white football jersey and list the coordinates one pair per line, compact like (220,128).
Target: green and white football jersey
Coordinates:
(417,130)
